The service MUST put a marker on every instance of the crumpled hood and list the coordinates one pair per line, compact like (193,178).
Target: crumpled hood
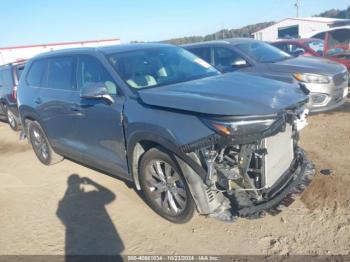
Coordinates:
(227,95)
(302,64)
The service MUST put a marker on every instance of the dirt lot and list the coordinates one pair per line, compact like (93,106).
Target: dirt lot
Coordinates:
(41,213)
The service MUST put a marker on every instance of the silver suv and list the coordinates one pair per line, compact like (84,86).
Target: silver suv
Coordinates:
(327,81)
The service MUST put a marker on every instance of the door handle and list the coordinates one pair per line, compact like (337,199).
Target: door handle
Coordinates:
(38,101)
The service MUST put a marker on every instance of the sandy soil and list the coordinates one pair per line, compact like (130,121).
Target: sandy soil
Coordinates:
(47,210)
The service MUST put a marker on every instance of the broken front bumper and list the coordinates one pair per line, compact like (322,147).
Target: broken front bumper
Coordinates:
(283,196)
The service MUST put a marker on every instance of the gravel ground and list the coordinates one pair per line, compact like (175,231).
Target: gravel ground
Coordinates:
(47,210)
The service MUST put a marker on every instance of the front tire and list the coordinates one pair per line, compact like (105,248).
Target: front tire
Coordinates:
(41,145)
(164,186)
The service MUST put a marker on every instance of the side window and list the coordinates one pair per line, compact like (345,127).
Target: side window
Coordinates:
(320,36)
(61,73)
(1,82)
(91,71)
(19,70)
(36,73)
(283,47)
(296,50)
(202,52)
(7,79)
(224,58)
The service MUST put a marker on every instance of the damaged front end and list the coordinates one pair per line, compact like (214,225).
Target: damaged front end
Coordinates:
(253,164)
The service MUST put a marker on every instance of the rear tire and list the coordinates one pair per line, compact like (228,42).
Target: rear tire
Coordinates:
(41,145)
(164,186)
(11,119)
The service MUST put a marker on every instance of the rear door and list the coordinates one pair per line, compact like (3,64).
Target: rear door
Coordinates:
(7,85)
(100,127)
(2,90)
(56,105)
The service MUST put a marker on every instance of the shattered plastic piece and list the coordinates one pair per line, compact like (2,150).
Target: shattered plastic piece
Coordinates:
(224,216)
(326,172)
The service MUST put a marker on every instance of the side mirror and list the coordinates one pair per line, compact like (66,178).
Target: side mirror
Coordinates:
(239,63)
(298,52)
(96,91)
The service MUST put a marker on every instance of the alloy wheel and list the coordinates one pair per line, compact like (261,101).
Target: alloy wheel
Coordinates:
(11,119)
(40,144)
(166,187)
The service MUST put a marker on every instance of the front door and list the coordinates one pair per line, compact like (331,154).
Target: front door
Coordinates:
(100,127)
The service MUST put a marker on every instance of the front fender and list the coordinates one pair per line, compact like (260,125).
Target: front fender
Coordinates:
(190,167)
(142,136)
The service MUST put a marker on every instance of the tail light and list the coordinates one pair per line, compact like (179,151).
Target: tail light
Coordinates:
(14,92)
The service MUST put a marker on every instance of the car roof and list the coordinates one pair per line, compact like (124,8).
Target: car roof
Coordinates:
(105,49)
(231,41)
(17,63)
(298,40)
(313,33)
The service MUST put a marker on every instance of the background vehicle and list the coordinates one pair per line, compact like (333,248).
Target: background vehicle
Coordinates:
(304,47)
(327,81)
(9,78)
(336,43)
(312,47)
(165,119)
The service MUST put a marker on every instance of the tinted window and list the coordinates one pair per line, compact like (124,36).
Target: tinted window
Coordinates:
(283,47)
(202,52)
(151,67)
(339,39)
(292,49)
(36,73)
(6,77)
(224,58)
(1,78)
(19,69)
(262,52)
(61,73)
(91,71)
(320,36)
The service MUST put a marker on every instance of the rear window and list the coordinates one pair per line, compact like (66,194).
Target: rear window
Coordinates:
(61,73)
(36,73)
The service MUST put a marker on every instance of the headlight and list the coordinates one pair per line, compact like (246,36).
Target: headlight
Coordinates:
(312,78)
(240,127)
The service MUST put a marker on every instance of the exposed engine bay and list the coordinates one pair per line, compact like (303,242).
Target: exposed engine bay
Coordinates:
(249,168)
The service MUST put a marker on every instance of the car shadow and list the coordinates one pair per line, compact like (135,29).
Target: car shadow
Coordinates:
(89,229)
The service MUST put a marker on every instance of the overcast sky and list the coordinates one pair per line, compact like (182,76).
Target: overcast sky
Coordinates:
(25,22)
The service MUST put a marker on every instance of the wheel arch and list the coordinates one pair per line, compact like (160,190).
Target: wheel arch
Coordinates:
(138,144)
(190,166)
(26,116)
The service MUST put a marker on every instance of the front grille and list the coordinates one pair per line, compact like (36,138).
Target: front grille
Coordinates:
(341,78)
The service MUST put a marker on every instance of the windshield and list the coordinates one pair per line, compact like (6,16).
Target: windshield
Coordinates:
(263,52)
(316,45)
(152,67)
